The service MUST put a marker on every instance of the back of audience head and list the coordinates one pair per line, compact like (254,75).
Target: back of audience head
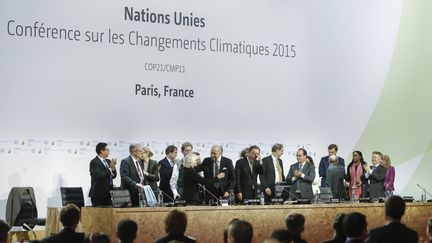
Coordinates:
(240,231)
(429,230)
(176,222)
(355,225)
(4,229)
(295,223)
(338,226)
(127,230)
(98,238)
(225,232)
(70,216)
(282,235)
(394,208)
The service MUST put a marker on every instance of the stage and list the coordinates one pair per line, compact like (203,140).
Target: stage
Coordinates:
(206,223)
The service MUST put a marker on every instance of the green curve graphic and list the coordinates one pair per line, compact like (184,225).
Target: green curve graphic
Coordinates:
(401,124)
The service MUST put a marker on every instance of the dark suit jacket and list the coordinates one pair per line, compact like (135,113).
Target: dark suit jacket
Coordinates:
(334,180)
(335,240)
(247,179)
(268,176)
(226,183)
(67,235)
(165,172)
(376,181)
(100,179)
(323,166)
(392,233)
(191,187)
(129,175)
(153,177)
(173,238)
(302,184)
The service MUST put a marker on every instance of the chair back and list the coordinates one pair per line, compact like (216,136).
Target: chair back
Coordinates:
(72,195)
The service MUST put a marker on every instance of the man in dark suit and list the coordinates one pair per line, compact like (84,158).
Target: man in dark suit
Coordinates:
(247,170)
(300,176)
(272,172)
(375,175)
(394,231)
(69,217)
(335,178)
(102,173)
(324,163)
(131,172)
(165,171)
(355,227)
(214,165)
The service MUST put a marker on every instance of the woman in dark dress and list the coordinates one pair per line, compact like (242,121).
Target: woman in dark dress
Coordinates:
(191,180)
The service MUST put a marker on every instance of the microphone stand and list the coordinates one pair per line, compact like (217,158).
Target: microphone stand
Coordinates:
(203,187)
(172,199)
(425,192)
(292,195)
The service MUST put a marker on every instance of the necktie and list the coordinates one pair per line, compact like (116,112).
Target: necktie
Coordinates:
(106,166)
(139,171)
(105,163)
(216,169)
(300,166)
(251,166)
(216,172)
(279,169)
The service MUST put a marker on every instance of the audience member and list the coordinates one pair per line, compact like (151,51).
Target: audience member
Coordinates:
(429,231)
(355,227)
(295,226)
(127,230)
(282,235)
(69,217)
(175,227)
(240,231)
(394,231)
(225,233)
(97,238)
(339,235)
(4,229)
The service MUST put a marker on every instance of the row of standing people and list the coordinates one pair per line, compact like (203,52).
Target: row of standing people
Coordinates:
(360,179)
(182,178)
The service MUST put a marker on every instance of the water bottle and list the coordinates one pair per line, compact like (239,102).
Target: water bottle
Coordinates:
(262,198)
(160,198)
(141,199)
(231,199)
(316,197)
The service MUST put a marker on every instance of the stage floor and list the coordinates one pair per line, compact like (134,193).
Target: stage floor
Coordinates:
(206,223)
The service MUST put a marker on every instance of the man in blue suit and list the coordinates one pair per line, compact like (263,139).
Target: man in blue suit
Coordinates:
(324,163)
(165,171)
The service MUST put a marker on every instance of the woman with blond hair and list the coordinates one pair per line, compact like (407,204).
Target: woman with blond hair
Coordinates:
(191,180)
(151,171)
(389,180)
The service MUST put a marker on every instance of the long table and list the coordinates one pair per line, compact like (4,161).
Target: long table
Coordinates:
(206,223)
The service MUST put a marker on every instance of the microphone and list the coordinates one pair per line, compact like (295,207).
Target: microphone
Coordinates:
(203,187)
(292,195)
(172,199)
(424,190)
